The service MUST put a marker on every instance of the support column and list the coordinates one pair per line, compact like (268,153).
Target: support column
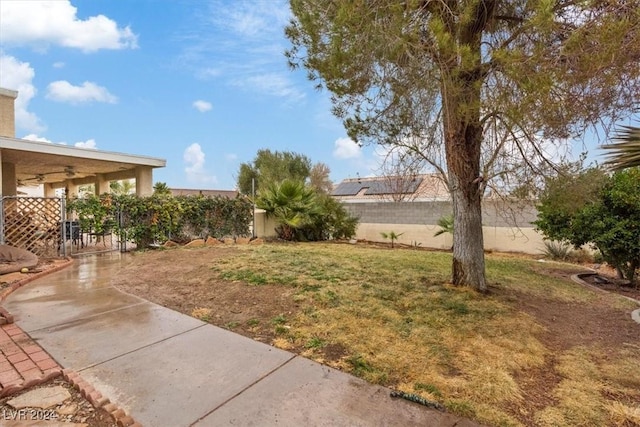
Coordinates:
(49,191)
(9,185)
(144,181)
(71,189)
(101,185)
(1,177)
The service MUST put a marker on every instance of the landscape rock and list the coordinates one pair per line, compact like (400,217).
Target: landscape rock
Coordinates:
(170,244)
(257,241)
(242,240)
(44,398)
(212,241)
(69,409)
(198,243)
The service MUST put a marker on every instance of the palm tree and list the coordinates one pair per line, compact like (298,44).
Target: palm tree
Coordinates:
(291,203)
(125,186)
(625,152)
(446,225)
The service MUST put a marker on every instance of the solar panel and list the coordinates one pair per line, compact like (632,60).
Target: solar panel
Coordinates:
(387,186)
(347,189)
(378,187)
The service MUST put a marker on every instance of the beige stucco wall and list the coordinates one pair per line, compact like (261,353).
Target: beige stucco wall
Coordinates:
(501,239)
(265,227)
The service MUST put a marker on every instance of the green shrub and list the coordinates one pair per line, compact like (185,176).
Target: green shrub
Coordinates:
(557,251)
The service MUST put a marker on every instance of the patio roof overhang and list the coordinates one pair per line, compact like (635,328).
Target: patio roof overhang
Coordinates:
(60,165)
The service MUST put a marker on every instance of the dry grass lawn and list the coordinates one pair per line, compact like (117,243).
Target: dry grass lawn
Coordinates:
(537,350)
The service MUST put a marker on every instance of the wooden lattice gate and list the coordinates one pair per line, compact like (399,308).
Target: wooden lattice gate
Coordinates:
(34,224)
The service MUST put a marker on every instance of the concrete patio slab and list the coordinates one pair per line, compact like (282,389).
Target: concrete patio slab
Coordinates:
(96,339)
(180,380)
(305,393)
(59,287)
(37,312)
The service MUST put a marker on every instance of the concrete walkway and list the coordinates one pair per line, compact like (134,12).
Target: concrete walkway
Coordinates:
(168,369)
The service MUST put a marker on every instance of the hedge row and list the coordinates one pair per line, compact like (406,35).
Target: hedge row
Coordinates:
(158,218)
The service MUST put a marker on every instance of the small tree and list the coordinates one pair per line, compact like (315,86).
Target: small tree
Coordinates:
(608,218)
(392,235)
(319,178)
(272,167)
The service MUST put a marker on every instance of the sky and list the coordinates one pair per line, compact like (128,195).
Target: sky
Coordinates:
(203,84)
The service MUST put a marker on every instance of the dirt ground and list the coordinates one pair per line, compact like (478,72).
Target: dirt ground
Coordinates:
(164,277)
(76,410)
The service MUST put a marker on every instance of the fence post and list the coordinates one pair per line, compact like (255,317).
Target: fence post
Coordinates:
(63,226)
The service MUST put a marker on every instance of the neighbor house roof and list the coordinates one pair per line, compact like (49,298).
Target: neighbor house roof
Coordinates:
(373,189)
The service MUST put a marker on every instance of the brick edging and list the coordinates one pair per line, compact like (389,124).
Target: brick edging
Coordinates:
(4,314)
(98,400)
(16,388)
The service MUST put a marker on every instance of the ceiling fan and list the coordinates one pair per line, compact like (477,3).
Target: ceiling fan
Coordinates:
(69,172)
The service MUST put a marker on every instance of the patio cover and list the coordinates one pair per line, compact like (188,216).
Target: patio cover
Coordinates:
(27,162)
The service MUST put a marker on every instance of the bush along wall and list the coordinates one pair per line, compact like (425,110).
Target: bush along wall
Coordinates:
(160,217)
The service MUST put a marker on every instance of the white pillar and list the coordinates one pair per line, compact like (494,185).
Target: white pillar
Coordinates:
(144,181)
(101,185)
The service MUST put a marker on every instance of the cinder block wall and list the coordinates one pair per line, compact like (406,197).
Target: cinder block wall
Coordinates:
(506,227)
(7,113)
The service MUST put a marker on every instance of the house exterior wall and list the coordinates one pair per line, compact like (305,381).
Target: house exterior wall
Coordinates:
(7,113)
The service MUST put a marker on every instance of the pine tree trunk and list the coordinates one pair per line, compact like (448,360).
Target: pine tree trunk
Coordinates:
(463,163)
(468,243)
(463,141)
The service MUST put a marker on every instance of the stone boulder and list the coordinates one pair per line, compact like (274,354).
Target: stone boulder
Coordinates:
(197,243)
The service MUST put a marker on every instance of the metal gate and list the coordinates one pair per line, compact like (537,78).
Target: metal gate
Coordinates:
(85,234)
(34,224)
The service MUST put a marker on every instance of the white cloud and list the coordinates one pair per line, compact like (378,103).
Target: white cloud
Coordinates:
(274,84)
(89,143)
(58,64)
(34,137)
(345,148)
(241,43)
(231,157)
(17,75)
(41,23)
(194,158)
(63,91)
(202,106)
